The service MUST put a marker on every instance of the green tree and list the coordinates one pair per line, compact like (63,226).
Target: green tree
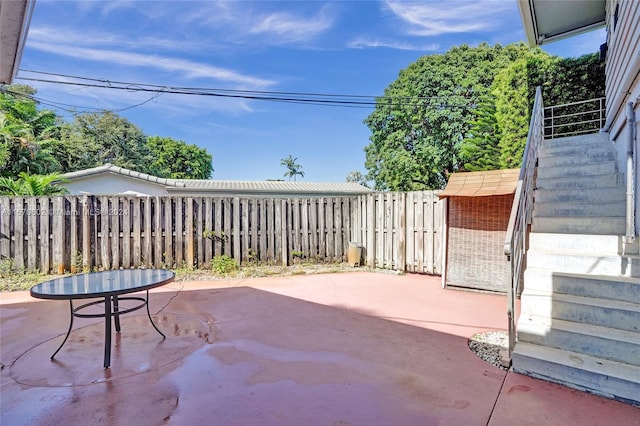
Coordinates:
(33,185)
(514,89)
(94,139)
(480,151)
(293,169)
(418,126)
(356,176)
(25,133)
(177,160)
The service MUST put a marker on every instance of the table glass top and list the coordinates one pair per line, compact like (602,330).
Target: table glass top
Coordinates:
(97,284)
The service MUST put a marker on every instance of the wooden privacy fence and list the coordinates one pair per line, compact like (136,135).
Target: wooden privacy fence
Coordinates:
(400,231)
(108,232)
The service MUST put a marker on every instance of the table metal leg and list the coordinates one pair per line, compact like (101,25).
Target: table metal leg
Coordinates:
(68,331)
(115,313)
(151,319)
(107,331)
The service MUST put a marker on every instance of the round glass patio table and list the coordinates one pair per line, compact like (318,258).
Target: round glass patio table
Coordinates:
(109,286)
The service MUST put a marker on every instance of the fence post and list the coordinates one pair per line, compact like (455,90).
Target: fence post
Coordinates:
(285,240)
(236,230)
(58,234)
(371,230)
(5,227)
(86,233)
(402,231)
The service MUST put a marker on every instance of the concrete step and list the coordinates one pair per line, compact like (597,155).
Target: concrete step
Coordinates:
(592,340)
(588,156)
(606,244)
(582,262)
(578,171)
(615,208)
(580,182)
(546,282)
(608,378)
(579,225)
(579,140)
(594,195)
(574,150)
(614,314)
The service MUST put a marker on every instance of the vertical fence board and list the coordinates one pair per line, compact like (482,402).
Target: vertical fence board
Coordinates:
(124,213)
(5,227)
(168,231)
(178,220)
(199,223)
(278,230)
(135,238)
(322,229)
(189,254)
(86,218)
(209,228)
(32,233)
(146,252)
(236,230)
(58,236)
(43,233)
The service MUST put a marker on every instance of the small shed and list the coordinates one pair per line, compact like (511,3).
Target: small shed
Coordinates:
(478,205)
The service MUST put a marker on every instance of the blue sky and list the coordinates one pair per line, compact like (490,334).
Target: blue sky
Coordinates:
(335,47)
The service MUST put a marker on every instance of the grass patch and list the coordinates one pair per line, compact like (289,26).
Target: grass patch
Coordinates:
(12,280)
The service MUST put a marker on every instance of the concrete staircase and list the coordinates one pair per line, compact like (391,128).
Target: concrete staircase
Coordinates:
(580,308)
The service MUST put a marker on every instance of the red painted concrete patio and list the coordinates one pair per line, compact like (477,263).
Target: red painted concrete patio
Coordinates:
(337,349)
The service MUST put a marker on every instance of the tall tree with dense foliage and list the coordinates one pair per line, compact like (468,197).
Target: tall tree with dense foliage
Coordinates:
(175,159)
(418,126)
(481,151)
(25,133)
(94,139)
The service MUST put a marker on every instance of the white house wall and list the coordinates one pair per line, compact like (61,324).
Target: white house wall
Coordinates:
(110,183)
(623,78)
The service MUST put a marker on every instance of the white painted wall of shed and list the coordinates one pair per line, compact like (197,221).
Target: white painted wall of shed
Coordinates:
(111,184)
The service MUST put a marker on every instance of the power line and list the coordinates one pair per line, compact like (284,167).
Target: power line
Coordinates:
(319,99)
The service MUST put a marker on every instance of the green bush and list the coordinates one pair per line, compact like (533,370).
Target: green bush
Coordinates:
(223,264)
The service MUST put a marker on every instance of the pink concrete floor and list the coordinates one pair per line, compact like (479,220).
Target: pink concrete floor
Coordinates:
(338,349)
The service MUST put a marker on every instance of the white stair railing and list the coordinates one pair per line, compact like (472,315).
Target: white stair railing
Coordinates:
(515,245)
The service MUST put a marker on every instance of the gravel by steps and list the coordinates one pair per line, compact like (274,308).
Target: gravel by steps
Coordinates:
(487,346)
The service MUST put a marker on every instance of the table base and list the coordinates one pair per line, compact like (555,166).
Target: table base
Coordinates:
(111,309)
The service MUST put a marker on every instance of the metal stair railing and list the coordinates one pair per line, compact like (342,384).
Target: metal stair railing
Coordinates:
(575,118)
(515,245)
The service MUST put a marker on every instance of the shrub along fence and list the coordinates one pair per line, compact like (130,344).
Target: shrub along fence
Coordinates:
(72,233)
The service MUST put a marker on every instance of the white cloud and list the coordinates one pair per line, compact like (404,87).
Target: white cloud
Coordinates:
(97,38)
(293,28)
(362,42)
(447,17)
(188,69)
(276,27)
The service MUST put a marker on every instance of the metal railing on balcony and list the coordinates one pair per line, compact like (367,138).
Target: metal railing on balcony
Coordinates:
(515,245)
(575,118)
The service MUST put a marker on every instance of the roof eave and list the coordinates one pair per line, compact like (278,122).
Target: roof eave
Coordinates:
(531,25)
(15,18)
(528,21)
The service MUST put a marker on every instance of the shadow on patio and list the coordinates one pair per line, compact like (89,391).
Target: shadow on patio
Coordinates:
(357,348)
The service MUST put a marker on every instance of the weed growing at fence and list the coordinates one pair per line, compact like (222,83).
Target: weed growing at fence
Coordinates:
(12,279)
(223,265)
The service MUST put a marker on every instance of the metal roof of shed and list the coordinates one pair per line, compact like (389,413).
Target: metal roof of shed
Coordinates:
(481,184)
(227,186)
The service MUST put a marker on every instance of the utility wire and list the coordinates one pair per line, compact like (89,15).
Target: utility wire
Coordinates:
(320,99)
